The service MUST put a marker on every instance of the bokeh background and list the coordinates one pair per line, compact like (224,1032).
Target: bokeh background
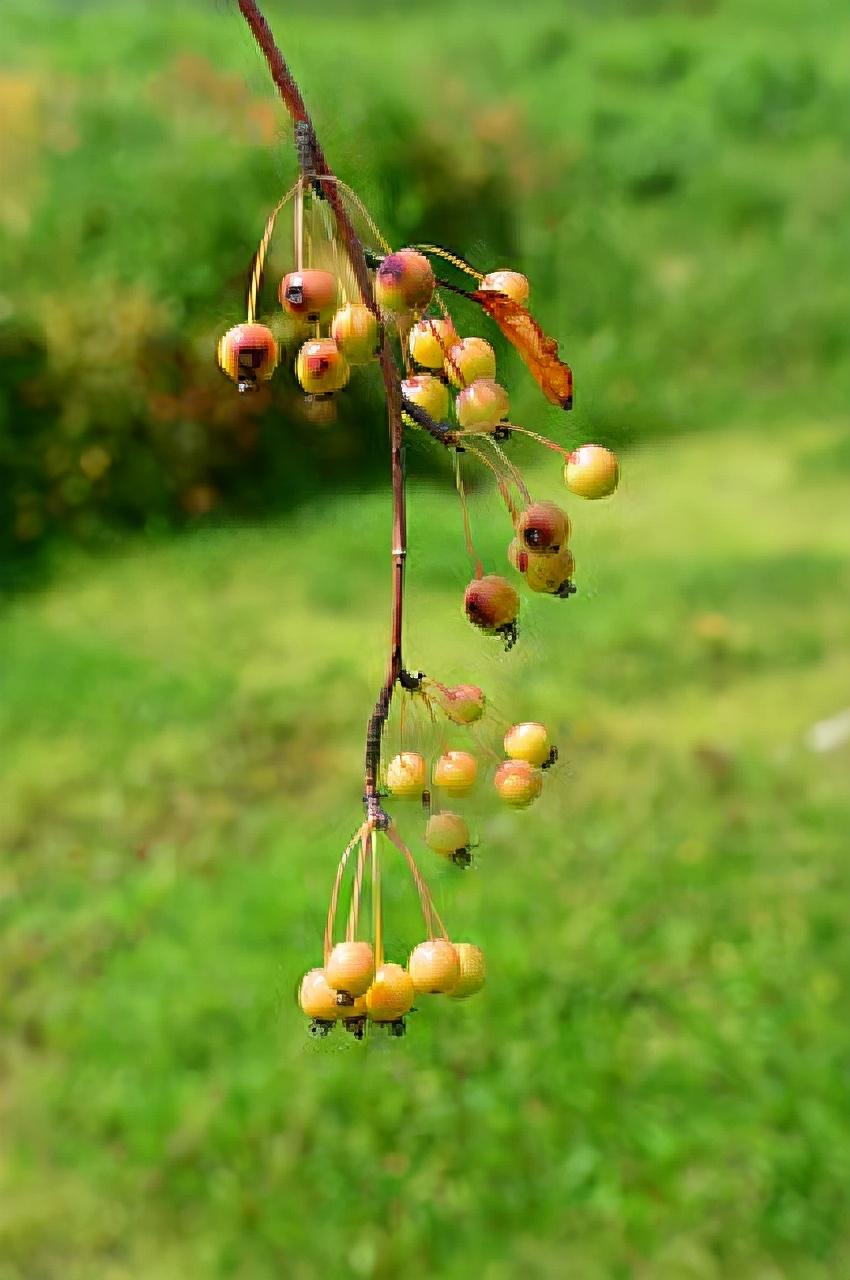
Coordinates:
(656,1082)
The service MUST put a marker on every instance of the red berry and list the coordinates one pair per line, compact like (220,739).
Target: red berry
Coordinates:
(404,282)
(543,526)
(491,603)
(247,353)
(311,294)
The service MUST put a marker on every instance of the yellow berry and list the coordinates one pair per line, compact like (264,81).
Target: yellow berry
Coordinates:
(317,998)
(473,970)
(469,359)
(543,526)
(528,741)
(455,772)
(550,572)
(592,471)
(518,783)
(406,775)
(482,405)
(391,994)
(511,283)
(429,393)
(447,834)
(321,367)
(430,339)
(354,329)
(350,968)
(311,294)
(433,966)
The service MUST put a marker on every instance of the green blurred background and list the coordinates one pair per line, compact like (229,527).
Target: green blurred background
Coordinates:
(656,1082)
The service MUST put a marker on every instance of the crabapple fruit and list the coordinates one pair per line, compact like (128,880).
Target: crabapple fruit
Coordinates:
(455,772)
(550,572)
(484,403)
(491,603)
(429,393)
(247,353)
(543,526)
(512,283)
(317,998)
(528,741)
(433,966)
(350,968)
(592,471)
(404,282)
(469,359)
(473,970)
(406,775)
(354,329)
(430,339)
(447,833)
(311,294)
(464,704)
(518,783)
(321,367)
(391,994)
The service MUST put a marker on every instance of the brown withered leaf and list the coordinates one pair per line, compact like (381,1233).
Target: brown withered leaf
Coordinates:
(539,352)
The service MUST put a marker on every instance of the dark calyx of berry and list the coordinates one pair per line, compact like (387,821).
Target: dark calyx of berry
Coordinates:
(319,1028)
(509,633)
(462,857)
(396,1028)
(295,294)
(501,434)
(344,999)
(565,590)
(355,1027)
(552,759)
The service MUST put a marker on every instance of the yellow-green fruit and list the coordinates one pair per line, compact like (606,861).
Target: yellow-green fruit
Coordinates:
(317,998)
(469,359)
(321,367)
(518,783)
(482,405)
(354,329)
(464,704)
(350,968)
(391,994)
(548,571)
(528,741)
(511,283)
(592,471)
(447,833)
(406,775)
(473,970)
(429,393)
(430,340)
(491,602)
(456,772)
(433,966)
(543,526)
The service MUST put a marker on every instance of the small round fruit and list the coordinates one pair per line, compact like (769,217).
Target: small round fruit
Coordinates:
(455,772)
(465,703)
(391,994)
(354,329)
(447,833)
(473,970)
(483,404)
(247,353)
(350,968)
(528,741)
(592,471)
(321,367)
(468,360)
(404,282)
(430,339)
(433,967)
(543,526)
(317,998)
(311,294)
(407,774)
(518,783)
(491,603)
(512,283)
(429,393)
(550,572)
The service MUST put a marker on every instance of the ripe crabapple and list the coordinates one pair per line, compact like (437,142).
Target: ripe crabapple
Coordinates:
(407,774)
(528,741)
(473,970)
(469,359)
(404,282)
(483,404)
(448,834)
(350,968)
(321,367)
(433,966)
(455,772)
(464,704)
(429,393)
(592,471)
(491,603)
(550,572)
(391,994)
(512,283)
(354,329)
(430,339)
(518,783)
(247,353)
(543,526)
(317,998)
(311,294)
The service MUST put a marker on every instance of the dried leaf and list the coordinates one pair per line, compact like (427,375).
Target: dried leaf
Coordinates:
(539,352)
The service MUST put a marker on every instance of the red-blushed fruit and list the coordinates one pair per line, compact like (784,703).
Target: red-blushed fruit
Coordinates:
(592,471)
(247,353)
(429,393)
(391,994)
(311,294)
(491,603)
(316,998)
(482,405)
(464,704)
(468,360)
(512,283)
(473,970)
(455,772)
(517,555)
(528,741)
(407,774)
(550,572)
(543,526)
(433,966)
(518,783)
(429,341)
(350,968)
(447,834)
(321,367)
(404,282)
(354,329)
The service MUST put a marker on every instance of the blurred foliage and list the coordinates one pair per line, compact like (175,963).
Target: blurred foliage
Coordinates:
(669,176)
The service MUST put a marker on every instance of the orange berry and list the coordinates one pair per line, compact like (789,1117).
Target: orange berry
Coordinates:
(455,772)
(404,282)
(491,603)
(518,783)
(311,294)
(511,283)
(469,359)
(448,834)
(528,741)
(550,572)
(430,339)
(350,968)
(473,970)
(406,775)
(433,966)
(592,471)
(391,994)
(482,405)
(543,526)
(321,367)
(354,329)
(317,998)
(429,393)
(247,353)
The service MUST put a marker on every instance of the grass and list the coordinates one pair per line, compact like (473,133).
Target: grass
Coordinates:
(654,1083)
